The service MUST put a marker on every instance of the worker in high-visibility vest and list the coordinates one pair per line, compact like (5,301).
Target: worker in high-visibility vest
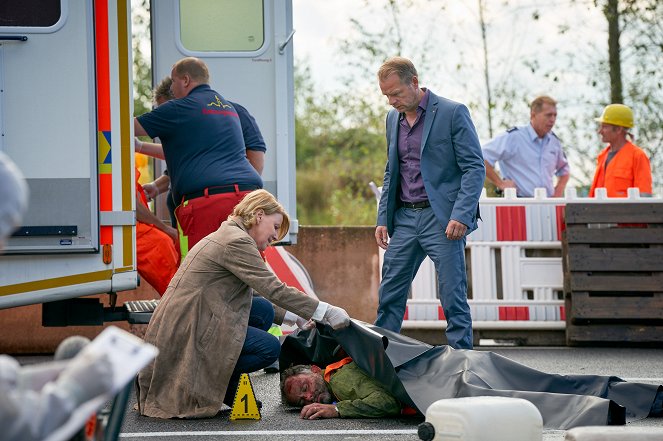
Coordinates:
(622,164)
(157,257)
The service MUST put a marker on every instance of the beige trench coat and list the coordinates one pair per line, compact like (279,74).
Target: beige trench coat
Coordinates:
(201,322)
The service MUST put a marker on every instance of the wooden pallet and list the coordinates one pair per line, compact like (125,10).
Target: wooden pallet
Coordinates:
(612,255)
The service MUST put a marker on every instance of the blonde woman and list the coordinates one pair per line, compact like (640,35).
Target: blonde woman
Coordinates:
(210,327)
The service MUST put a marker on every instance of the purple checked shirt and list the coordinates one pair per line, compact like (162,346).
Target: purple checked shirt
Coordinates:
(409,155)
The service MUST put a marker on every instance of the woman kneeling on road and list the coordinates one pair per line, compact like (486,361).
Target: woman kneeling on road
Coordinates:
(210,327)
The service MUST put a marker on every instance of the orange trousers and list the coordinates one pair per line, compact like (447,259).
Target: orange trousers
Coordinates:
(156,256)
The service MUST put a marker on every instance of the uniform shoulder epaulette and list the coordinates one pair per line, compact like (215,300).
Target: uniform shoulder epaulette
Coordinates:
(555,135)
(512,129)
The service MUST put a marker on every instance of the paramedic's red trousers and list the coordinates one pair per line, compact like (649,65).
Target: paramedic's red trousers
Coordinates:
(198,217)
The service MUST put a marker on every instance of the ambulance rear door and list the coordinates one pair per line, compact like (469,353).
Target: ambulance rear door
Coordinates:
(65,117)
(247,46)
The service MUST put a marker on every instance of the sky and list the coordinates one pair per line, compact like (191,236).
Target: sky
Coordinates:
(453,35)
(534,48)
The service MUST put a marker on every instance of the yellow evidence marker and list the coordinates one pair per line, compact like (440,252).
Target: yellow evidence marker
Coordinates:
(245,406)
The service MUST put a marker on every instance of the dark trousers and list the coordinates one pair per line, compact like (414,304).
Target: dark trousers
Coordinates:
(260,347)
(417,234)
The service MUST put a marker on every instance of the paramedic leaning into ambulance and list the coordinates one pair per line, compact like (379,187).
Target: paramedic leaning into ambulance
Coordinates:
(622,164)
(204,150)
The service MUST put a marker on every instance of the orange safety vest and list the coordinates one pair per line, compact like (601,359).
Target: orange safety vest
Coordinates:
(329,370)
(628,168)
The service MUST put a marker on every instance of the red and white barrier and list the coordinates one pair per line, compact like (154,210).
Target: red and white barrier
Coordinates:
(514,264)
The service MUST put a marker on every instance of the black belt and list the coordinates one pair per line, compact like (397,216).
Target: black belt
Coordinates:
(422,204)
(232,188)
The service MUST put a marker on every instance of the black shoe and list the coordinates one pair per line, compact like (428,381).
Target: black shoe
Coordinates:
(272,368)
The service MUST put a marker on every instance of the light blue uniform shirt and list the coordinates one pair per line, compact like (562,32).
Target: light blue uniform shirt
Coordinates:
(526,159)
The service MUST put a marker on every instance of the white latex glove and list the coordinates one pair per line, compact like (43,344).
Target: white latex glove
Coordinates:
(291,319)
(87,376)
(336,317)
(138,145)
(304,324)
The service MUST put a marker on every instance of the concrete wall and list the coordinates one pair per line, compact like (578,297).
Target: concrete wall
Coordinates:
(342,262)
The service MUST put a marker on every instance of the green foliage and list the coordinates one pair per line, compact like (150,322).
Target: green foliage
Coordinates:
(340,149)
(141,62)
(642,63)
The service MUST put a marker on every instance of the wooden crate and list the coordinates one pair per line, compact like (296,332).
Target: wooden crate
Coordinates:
(612,255)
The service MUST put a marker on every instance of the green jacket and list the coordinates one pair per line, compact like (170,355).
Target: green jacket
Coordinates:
(361,396)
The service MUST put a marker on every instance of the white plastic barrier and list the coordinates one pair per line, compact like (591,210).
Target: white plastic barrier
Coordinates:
(514,259)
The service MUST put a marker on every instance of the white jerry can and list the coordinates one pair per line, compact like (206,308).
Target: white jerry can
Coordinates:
(482,418)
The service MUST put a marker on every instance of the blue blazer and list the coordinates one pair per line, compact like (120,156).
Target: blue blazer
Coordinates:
(452,165)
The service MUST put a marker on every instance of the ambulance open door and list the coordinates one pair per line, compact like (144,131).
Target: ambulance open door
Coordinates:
(247,46)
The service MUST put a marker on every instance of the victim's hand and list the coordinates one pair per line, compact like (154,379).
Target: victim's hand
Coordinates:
(315,411)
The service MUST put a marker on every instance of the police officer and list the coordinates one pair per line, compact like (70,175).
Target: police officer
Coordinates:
(529,155)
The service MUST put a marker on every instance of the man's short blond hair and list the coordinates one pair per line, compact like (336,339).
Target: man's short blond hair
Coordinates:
(539,101)
(260,200)
(400,66)
(194,67)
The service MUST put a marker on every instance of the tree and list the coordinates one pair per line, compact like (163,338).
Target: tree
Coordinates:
(611,12)
(338,153)
(486,70)
(341,144)
(635,60)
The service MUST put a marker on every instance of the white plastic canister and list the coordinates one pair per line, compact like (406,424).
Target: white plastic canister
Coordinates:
(481,419)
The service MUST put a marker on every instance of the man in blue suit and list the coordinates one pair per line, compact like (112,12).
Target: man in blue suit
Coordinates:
(430,198)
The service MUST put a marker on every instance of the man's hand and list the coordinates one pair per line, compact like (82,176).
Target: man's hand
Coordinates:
(315,411)
(172,233)
(151,190)
(455,230)
(381,236)
(506,183)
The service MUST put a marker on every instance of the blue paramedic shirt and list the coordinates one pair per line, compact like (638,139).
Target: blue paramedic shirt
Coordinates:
(526,159)
(202,142)
(253,139)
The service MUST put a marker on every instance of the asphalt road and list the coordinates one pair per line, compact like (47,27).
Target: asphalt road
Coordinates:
(279,422)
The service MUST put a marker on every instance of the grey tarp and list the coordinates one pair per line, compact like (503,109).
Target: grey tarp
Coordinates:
(419,374)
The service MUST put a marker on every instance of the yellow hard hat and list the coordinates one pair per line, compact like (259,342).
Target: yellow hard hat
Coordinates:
(617,115)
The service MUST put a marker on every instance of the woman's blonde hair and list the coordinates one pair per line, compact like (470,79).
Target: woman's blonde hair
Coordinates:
(260,200)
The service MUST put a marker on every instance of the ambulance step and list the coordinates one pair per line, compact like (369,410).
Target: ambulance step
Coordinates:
(140,311)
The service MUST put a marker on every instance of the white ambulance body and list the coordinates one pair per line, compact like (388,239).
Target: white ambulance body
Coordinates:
(66,109)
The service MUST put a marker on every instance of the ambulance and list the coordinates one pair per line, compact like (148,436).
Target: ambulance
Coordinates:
(66,119)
